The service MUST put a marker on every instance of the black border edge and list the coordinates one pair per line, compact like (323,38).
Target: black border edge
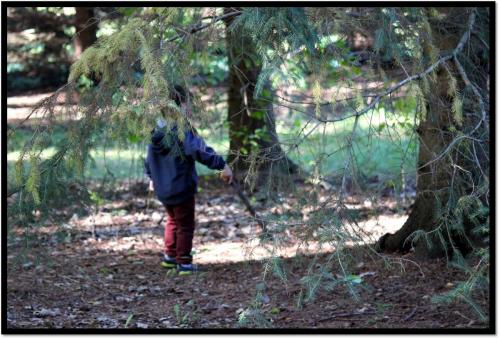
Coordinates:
(492,314)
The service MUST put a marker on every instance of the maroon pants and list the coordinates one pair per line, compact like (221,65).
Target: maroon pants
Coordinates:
(179,231)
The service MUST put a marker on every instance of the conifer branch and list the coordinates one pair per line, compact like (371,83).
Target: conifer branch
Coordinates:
(47,164)
(36,108)
(418,76)
(473,87)
(200,26)
(467,82)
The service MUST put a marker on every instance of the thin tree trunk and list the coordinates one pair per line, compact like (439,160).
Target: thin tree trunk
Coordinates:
(254,145)
(86,28)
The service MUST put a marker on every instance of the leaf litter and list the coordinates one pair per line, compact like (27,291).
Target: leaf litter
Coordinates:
(114,280)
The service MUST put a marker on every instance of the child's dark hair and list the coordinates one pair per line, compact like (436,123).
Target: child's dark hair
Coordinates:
(179,95)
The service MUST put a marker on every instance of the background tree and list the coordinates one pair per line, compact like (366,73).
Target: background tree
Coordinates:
(44,41)
(452,167)
(86,29)
(254,143)
(38,47)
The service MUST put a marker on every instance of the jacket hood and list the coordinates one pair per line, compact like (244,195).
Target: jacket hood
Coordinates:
(157,142)
(161,142)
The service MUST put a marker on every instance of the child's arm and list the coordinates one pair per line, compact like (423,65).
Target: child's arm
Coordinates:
(195,147)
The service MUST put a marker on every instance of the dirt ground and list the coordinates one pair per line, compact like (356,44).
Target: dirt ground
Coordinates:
(72,279)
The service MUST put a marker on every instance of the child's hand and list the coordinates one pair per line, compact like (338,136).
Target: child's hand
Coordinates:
(227,174)
(151,188)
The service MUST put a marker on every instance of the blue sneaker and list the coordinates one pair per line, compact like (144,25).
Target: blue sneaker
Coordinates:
(186,269)
(168,262)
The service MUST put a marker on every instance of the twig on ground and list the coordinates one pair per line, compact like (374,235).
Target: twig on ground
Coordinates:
(344,315)
(411,314)
(248,205)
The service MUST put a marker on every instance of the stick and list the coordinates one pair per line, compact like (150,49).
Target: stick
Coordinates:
(411,314)
(343,315)
(249,206)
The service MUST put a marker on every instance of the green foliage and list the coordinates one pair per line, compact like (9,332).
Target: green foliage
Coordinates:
(128,11)
(457,101)
(379,42)
(323,279)
(188,316)
(19,171)
(254,316)
(33,181)
(129,319)
(276,31)
(96,198)
(468,217)
(392,39)
(457,110)
(213,67)
(464,292)
(110,50)
(316,92)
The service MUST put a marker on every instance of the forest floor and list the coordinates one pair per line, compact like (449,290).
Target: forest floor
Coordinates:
(68,278)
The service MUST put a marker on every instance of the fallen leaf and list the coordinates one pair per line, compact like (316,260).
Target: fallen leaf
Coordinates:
(275,310)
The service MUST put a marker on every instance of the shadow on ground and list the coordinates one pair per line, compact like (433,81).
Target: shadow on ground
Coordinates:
(70,278)
(78,286)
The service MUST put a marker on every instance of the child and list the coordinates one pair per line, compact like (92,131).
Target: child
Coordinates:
(170,165)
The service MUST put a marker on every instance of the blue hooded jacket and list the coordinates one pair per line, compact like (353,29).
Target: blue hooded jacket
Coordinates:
(171,164)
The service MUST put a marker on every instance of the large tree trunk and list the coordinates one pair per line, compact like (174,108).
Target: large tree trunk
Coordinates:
(254,145)
(86,28)
(440,183)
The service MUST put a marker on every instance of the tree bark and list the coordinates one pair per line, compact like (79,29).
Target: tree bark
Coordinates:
(438,181)
(254,144)
(86,28)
